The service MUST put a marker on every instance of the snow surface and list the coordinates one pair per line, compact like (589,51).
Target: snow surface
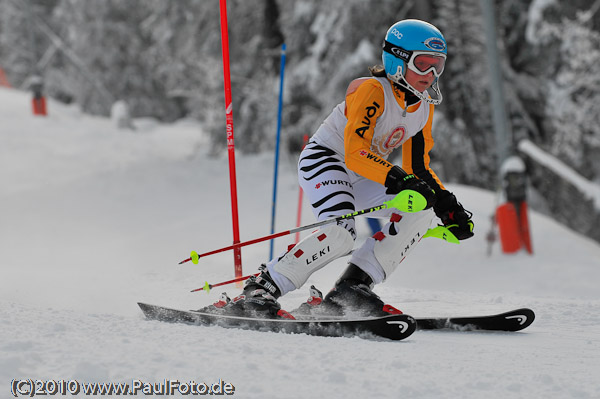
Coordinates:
(94,219)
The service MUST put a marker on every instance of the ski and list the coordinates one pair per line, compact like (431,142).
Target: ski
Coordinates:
(393,327)
(514,320)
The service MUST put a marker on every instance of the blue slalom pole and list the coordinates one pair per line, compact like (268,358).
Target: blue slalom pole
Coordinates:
(274,204)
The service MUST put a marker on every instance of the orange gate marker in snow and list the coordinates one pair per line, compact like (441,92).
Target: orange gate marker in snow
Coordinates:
(511,216)
(3,79)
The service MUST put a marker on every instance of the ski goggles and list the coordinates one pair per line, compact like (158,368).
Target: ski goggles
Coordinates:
(420,62)
(423,62)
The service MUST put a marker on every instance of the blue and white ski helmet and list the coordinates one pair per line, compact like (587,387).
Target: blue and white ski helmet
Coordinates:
(404,41)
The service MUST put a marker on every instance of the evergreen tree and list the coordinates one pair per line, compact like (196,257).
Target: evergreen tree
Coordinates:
(465,133)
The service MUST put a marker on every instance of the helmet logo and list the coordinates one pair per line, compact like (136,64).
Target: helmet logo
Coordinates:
(396,33)
(435,43)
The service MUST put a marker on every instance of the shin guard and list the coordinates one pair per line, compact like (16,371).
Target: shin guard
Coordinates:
(381,254)
(314,252)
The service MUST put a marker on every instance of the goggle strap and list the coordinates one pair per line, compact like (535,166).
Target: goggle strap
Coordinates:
(399,52)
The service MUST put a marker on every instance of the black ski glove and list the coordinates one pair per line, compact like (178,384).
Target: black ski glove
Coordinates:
(453,215)
(398,180)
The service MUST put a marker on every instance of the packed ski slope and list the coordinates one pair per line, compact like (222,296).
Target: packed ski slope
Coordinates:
(94,219)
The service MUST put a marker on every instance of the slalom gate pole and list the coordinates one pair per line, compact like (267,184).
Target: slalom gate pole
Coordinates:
(300,194)
(3,80)
(405,201)
(274,203)
(237,253)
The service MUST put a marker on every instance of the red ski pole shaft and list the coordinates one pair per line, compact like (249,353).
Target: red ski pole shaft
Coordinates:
(235,280)
(239,245)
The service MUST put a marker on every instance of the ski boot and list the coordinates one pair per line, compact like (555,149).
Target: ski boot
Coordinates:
(352,295)
(258,299)
(312,306)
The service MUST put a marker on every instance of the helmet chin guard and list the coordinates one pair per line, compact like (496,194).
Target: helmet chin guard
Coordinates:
(432,95)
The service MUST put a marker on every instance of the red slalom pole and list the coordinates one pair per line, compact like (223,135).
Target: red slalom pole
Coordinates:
(300,194)
(207,287)
(237,253)
(299,216)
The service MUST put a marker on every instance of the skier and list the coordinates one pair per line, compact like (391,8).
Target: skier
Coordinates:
(344,167)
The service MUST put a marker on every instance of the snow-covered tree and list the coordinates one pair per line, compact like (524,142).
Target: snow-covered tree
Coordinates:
(464,134)
(22,46)
(574,98)
(164,59)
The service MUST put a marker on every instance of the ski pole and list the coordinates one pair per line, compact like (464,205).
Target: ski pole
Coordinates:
(207,287)
(440,232)
(405,201)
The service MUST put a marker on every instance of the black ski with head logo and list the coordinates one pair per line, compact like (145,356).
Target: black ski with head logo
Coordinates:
(393,327)
(514,320)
